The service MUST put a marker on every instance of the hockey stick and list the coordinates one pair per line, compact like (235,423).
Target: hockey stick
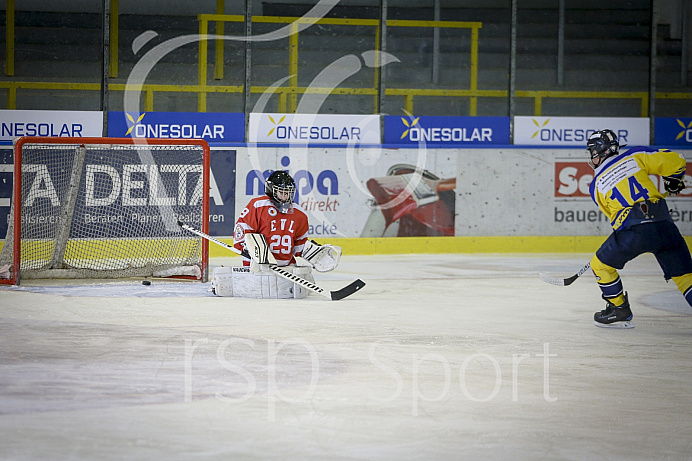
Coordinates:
(348,290)
(564,282)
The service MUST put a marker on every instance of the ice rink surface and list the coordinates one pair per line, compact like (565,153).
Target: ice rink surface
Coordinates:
(438,357)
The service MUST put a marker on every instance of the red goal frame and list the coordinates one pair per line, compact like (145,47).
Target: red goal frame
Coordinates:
(17,188)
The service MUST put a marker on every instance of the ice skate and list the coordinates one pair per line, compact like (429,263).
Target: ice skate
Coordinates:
(614,317)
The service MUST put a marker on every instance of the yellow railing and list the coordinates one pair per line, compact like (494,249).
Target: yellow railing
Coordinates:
(407,93)
(288,95)
(293,90)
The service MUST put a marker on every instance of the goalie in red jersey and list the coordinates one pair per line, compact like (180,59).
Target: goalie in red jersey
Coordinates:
(283,226)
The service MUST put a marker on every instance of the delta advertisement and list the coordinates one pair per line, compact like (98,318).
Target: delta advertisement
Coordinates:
(446,131)
(118,194)
(222,190)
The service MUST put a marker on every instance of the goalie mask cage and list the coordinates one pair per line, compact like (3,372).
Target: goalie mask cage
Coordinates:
(107,208)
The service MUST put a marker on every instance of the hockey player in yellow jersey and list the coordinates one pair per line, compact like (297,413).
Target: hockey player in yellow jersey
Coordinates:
(639,215)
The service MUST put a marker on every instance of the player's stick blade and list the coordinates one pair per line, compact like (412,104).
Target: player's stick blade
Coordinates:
(564,282)
(557,281)
(348,290)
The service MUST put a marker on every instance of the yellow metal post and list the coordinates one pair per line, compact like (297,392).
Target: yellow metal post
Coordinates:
(202,67)
(12,97)
(645,106)
(473,103)
(408,104)
(114,34)
(293,67)
(148,101)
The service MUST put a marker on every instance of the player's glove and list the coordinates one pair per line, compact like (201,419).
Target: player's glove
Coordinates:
(673,185)
(323,258)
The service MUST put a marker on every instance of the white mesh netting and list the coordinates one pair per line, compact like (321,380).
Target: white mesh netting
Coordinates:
(104,211)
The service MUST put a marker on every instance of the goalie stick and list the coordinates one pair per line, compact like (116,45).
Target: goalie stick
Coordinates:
(348,290)
(564,282)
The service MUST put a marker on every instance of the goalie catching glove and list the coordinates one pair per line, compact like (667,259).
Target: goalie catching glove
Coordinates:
(323,258)
(673,185)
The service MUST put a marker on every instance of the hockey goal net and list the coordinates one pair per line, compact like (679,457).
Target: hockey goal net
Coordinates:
(107,208)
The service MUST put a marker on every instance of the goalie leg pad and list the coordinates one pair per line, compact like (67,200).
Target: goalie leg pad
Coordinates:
(304,272)
(242,282)
(248,284)
(222,281)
